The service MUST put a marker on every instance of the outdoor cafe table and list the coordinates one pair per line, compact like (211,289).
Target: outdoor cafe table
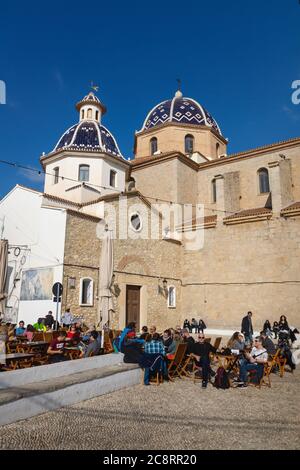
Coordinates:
(15,358)
(72,351)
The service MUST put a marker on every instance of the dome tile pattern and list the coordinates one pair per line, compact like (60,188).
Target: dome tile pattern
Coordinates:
(181,110)
(90,136)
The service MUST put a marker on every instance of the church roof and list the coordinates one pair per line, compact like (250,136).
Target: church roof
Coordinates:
(88,135)
(180,110)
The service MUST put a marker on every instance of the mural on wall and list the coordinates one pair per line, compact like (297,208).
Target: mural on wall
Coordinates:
(37,284)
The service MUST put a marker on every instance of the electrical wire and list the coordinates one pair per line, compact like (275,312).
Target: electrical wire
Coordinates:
(63,177)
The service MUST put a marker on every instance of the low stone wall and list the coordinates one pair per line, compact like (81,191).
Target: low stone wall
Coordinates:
(46,372)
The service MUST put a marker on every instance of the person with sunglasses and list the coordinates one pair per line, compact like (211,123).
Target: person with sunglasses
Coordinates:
(256,360)
(201,351)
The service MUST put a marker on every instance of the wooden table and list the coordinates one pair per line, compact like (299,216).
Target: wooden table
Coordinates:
(15,359)
(72,351)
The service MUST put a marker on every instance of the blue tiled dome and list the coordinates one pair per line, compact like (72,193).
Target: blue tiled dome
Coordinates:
(180,110)
(88,136)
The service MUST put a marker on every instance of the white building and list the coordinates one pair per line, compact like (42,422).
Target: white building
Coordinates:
(36,238)
(84,165)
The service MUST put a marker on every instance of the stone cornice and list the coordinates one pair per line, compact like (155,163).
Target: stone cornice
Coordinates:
(61,153)
(250,215)
(256,152)
(143,162)
(183,126)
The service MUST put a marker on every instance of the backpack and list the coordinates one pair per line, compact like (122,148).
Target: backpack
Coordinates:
(221,379)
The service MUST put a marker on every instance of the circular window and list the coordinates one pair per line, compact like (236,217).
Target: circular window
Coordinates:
(136,222)
(17,251)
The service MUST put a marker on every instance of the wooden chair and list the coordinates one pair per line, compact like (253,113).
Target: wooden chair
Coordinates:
(207,340)
(280,362)
(48,336)
(74,354)
(187,369)
(217,342)
(177,362)
(268,367)
(11,347)
(38,336)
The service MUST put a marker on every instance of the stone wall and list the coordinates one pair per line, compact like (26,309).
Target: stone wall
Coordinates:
(247,168)
(137,261)
(82,255)
(171,137)
(249,266)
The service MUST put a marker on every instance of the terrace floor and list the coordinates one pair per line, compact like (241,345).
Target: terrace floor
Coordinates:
(171,416)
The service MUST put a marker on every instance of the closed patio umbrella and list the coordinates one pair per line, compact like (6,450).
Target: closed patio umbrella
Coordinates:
(3,273)
(105,279)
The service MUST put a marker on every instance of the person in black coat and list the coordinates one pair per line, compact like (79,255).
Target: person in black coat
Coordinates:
(283,325)
(49,320)
(275,328)
(201,326)
(201,350)
(247,328)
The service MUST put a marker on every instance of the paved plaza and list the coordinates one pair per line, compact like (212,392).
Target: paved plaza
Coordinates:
(171,416)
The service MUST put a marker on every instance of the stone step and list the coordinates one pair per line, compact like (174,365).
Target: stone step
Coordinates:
(31,399)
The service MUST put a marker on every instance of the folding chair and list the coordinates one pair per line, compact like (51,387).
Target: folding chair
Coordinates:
(268,367)
(176,363)
(217,342)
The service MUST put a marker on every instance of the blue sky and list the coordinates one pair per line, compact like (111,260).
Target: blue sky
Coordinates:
(237,58)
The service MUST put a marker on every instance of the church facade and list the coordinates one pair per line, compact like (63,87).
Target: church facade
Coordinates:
(196,232)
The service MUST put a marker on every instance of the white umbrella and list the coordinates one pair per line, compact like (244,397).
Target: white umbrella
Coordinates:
(3,273)
(105,279)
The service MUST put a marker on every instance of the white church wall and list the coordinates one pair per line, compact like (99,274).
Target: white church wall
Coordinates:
(38,263)
(99,175)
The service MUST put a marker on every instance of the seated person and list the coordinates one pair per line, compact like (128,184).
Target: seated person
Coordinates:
(155,348)
(186,324)
(267,328)
(187,338)
(56,348)
(236,341)
(73,334)
(29,332)
(201,351)
(93,346)
(154,345)
(268,343)
(132,348)
(275,328)
(253,361)
(168,342)
(20,330)
(144,332)
(194,325)
(40,325)
(130,328)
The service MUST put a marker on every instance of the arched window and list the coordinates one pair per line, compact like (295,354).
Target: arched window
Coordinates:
(112,178)
(153,145)
(82,114)
(264,185)
(97,115)
(86,291)
(56,175)
(171,297)
(217,149)
(89,113)
(214,191)
(189,143)
(84,173)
